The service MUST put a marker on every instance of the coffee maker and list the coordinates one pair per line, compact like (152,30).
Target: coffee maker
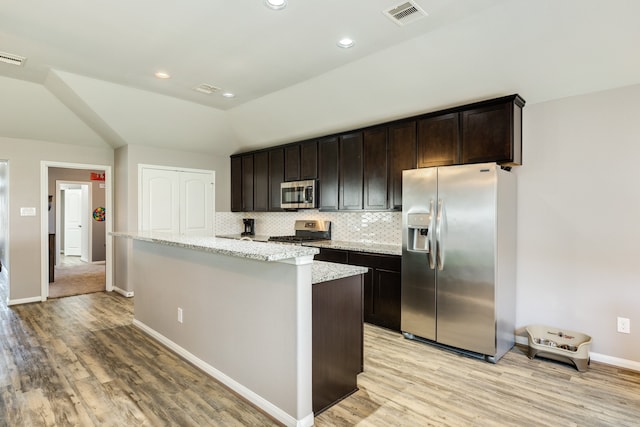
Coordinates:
(249,227)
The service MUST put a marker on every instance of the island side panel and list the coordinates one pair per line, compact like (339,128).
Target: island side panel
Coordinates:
(249,319)
(337,340)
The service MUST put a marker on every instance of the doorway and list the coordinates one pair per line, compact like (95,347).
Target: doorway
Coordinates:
(72,224)
(76,245)
(76,270)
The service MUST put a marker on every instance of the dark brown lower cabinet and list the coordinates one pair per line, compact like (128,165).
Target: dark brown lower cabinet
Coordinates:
(337,340)
(382,288)
(382,284)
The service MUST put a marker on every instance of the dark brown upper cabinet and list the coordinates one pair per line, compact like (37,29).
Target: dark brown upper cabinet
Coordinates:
(309,160)
(328,173)
(247,183)
(261,181)
(351,171)
(439,140)
(492,132)
(236,184)
(376,169)
(276,176)
(292,163)
(362,169)
(402,156)
(255,180)
(301,161)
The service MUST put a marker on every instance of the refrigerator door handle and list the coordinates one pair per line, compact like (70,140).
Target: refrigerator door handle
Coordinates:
(431,256)
(441,229)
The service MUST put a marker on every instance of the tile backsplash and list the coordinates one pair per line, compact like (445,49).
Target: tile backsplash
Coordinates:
(368,227)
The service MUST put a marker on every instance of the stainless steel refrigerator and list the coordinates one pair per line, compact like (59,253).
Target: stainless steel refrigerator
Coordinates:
(459,257)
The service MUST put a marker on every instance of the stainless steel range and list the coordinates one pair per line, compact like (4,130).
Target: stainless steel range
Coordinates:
(307,231)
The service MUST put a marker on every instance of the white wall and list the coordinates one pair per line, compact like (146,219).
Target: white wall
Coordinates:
(4,211)
(579,218)
(126,190)
(24,158)
(246,322)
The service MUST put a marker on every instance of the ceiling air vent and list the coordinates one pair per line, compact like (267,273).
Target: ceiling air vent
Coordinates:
(206,88)
(405,13)
(10,58)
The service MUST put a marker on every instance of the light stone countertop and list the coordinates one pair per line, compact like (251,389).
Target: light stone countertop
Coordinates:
(375,248)
(261,251)
(322,271)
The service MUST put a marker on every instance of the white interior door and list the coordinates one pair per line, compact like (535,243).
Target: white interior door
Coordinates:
(196,201)
(160,208)
(72,222)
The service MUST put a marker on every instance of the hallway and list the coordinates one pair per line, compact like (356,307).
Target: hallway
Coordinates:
(75,277)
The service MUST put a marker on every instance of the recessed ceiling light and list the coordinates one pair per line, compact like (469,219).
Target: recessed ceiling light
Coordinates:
(228,95)
(162,75)
(345,43)
(276,4)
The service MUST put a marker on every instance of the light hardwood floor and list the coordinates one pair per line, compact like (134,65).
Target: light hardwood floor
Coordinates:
(79,361)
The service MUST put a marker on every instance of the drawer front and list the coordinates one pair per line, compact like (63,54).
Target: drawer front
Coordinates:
(332,255)
(381,262)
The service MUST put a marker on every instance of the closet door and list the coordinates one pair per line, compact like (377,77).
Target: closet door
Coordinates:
(160,201)
(196,202)
(177,201)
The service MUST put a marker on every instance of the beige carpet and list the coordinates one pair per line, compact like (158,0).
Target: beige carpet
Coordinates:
(74,277)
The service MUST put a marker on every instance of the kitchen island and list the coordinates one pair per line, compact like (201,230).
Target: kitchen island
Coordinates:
(239,310)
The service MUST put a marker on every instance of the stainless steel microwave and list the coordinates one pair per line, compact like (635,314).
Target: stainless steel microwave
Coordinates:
(298,194)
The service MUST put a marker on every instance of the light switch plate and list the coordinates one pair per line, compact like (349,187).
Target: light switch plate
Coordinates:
(27,211)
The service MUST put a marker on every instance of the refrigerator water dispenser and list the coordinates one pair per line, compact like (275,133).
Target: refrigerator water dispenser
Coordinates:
(419,229)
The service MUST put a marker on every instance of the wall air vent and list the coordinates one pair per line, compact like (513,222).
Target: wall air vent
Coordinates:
(405,13)
(10,58)
(206,88)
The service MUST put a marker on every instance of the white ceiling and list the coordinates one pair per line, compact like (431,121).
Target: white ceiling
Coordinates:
(88,78)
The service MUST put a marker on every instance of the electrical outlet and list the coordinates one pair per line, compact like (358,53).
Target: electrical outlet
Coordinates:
(624,325)
(179,315)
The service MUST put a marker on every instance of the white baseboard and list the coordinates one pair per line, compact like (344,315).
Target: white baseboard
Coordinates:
(128,294)
(243,391)
(597,357)
(615,361)
(23,301)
